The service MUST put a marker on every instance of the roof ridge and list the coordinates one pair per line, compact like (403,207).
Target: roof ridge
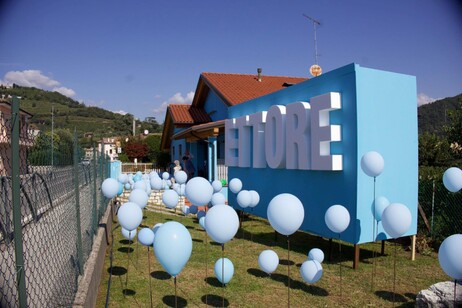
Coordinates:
(253,75)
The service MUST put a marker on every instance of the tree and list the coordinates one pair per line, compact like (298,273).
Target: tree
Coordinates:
(136,149)
(433,150)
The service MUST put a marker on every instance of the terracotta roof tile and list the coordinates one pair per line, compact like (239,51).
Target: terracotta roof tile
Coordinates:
(186,114)
(238,88)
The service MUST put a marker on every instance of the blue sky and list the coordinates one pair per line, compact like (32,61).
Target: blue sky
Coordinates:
(137,56)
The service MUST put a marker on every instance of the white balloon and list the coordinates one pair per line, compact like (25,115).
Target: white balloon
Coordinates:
(129,235)
(311,271)
(140,185)
(165,175)
(235,185)
(146,237)
(199,191)
(316,254)
(123,178)
(452,179)
(285,213)
(156,183)
(372,163)
(110,188)
(156,227)
(449,256)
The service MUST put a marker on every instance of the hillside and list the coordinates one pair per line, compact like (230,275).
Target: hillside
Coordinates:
(70,114)
(435,116)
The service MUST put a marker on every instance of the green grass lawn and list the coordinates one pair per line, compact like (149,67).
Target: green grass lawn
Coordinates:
(251,287)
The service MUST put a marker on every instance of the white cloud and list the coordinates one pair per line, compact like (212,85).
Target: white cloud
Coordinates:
(122,112)
(36,79)
(423,99)
(177,98)
(65,91)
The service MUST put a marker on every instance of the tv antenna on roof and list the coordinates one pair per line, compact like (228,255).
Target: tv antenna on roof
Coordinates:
(315,69)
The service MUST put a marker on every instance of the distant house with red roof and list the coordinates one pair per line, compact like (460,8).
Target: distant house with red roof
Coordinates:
(199,128)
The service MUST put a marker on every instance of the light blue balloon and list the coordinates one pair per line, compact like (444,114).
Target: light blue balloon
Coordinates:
(202,222)
(110,188)
(193,209)
(156,183)
(156,227)
(200,214)
(170,198)
(449,256)
(218,198)
(244,198)
(121,189)
(222,223)
(255,198)
(337,218)
(139,197)
(396,219)
(316,254)
(372,163)
(199,191)
(380,205)
(123,178)
(128,186)
(268,261)
(129,235)
(235,185)
(181,177)
(285,213)
(173,247)
(185,210)
(130,216)
(146,237)
(452,179)
(311,271)
(140,185)
(138,177)
(224,270)
(217,186)
(165,175)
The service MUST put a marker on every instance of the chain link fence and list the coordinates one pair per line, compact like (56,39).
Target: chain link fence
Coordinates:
(440,211)
(50,206)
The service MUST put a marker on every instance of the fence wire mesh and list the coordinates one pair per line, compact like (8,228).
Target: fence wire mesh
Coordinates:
(440,212)
(48,208)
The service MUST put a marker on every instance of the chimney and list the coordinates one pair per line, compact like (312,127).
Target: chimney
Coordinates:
(259,74)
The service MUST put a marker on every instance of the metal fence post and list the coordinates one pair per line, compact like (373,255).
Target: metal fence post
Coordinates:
(95,177)
(77,204)
(15,179)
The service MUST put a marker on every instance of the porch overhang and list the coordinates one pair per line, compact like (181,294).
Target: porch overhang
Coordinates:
(201,131)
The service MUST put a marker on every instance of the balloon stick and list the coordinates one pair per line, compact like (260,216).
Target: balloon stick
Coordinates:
(374,230)
(223,270)
(149,275)
(250,221)
(394,274)
(128,257)
(455,289)
(288,272)
(340,263)
(206,263)
(176,299)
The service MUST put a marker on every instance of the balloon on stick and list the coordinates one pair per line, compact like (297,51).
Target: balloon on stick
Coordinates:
(110,188)
(170,198)
(337,218)
(217,186)
(244,198)
(218,198)
(285,213)
(452,179)
(173,247)
(181,177)
(396,219)
(224,270)
(316,254)
(235,185)
(268,261)
(449,256)
(379,206)
(222,223)
(130,215)
(199,191)
(311,271)
(139,196)
(372,163)
(129,235)
(146,237)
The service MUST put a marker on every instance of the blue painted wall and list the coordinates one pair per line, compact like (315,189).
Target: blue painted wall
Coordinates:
(215,107)
(379,113)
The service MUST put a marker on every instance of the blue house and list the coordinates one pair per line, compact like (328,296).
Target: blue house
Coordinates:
(198,128)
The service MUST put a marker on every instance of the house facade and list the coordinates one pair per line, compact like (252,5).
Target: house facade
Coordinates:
(198,129)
